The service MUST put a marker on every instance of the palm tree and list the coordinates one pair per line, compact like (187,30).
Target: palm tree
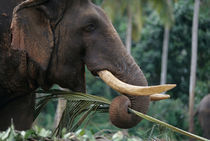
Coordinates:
(165,44)
(164,55)
(133,10)
(129,29)
(193,63)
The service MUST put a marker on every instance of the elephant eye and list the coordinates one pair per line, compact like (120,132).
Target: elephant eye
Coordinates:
(90,28)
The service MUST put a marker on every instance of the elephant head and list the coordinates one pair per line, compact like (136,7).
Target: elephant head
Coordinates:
(60,37)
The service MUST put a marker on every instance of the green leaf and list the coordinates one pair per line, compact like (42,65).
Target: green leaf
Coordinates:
(144,116)
(5,135)
(79,106)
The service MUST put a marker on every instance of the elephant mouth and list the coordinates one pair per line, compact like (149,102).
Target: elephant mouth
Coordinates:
(124,88)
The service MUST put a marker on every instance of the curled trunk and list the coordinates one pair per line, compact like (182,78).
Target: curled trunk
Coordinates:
(119,114)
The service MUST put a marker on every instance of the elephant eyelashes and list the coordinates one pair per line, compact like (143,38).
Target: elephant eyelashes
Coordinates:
(90,28)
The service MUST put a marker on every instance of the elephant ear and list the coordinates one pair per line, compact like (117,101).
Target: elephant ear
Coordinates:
(32,30)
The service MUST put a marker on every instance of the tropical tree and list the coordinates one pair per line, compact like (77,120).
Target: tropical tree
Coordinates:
(133,11)
(129,29)
(193,63)
(164,60)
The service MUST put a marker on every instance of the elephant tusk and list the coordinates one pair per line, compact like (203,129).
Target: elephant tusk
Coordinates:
(125,88)
(157,97)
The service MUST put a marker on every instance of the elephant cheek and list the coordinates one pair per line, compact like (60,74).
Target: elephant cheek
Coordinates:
(119,114)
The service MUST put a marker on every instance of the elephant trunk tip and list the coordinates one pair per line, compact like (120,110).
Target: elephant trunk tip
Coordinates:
(119,114)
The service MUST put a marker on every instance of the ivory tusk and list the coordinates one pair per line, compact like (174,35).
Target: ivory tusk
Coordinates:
(157,97)
(122,87)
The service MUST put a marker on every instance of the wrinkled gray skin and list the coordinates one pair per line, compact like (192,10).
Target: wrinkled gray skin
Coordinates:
(203,112)
(50,42)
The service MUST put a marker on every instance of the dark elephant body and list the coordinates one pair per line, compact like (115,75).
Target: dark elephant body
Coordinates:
(13,89)
(203,112)
(50,42)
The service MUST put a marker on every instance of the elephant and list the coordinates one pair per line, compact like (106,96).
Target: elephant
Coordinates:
(46,42)
(203,112)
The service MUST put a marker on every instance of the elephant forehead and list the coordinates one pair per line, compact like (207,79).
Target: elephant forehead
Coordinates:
(82,12)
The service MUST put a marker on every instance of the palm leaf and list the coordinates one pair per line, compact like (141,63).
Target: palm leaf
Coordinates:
(79,107)
(173,128)
(164,8)
(137,19)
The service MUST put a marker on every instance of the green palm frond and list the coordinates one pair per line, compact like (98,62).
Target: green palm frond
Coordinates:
(164,8)
(76,113)
(173,128)
(110,8)
(73,96)
(78,108)
(137,19)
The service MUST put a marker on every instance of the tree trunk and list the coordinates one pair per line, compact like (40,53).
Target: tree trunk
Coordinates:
(60,108)
(59,111)
(129,31)
(164,55)
(193,63)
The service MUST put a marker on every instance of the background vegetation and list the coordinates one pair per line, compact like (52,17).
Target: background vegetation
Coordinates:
(147,52)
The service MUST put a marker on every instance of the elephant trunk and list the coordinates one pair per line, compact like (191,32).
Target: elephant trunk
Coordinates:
(119,114)
(133,86)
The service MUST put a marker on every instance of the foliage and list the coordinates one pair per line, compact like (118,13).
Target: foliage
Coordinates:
(139,9)
(179,51)
(81,105)
(115,10)
(46,117)
(34,134)
(42,134)
(175,114)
